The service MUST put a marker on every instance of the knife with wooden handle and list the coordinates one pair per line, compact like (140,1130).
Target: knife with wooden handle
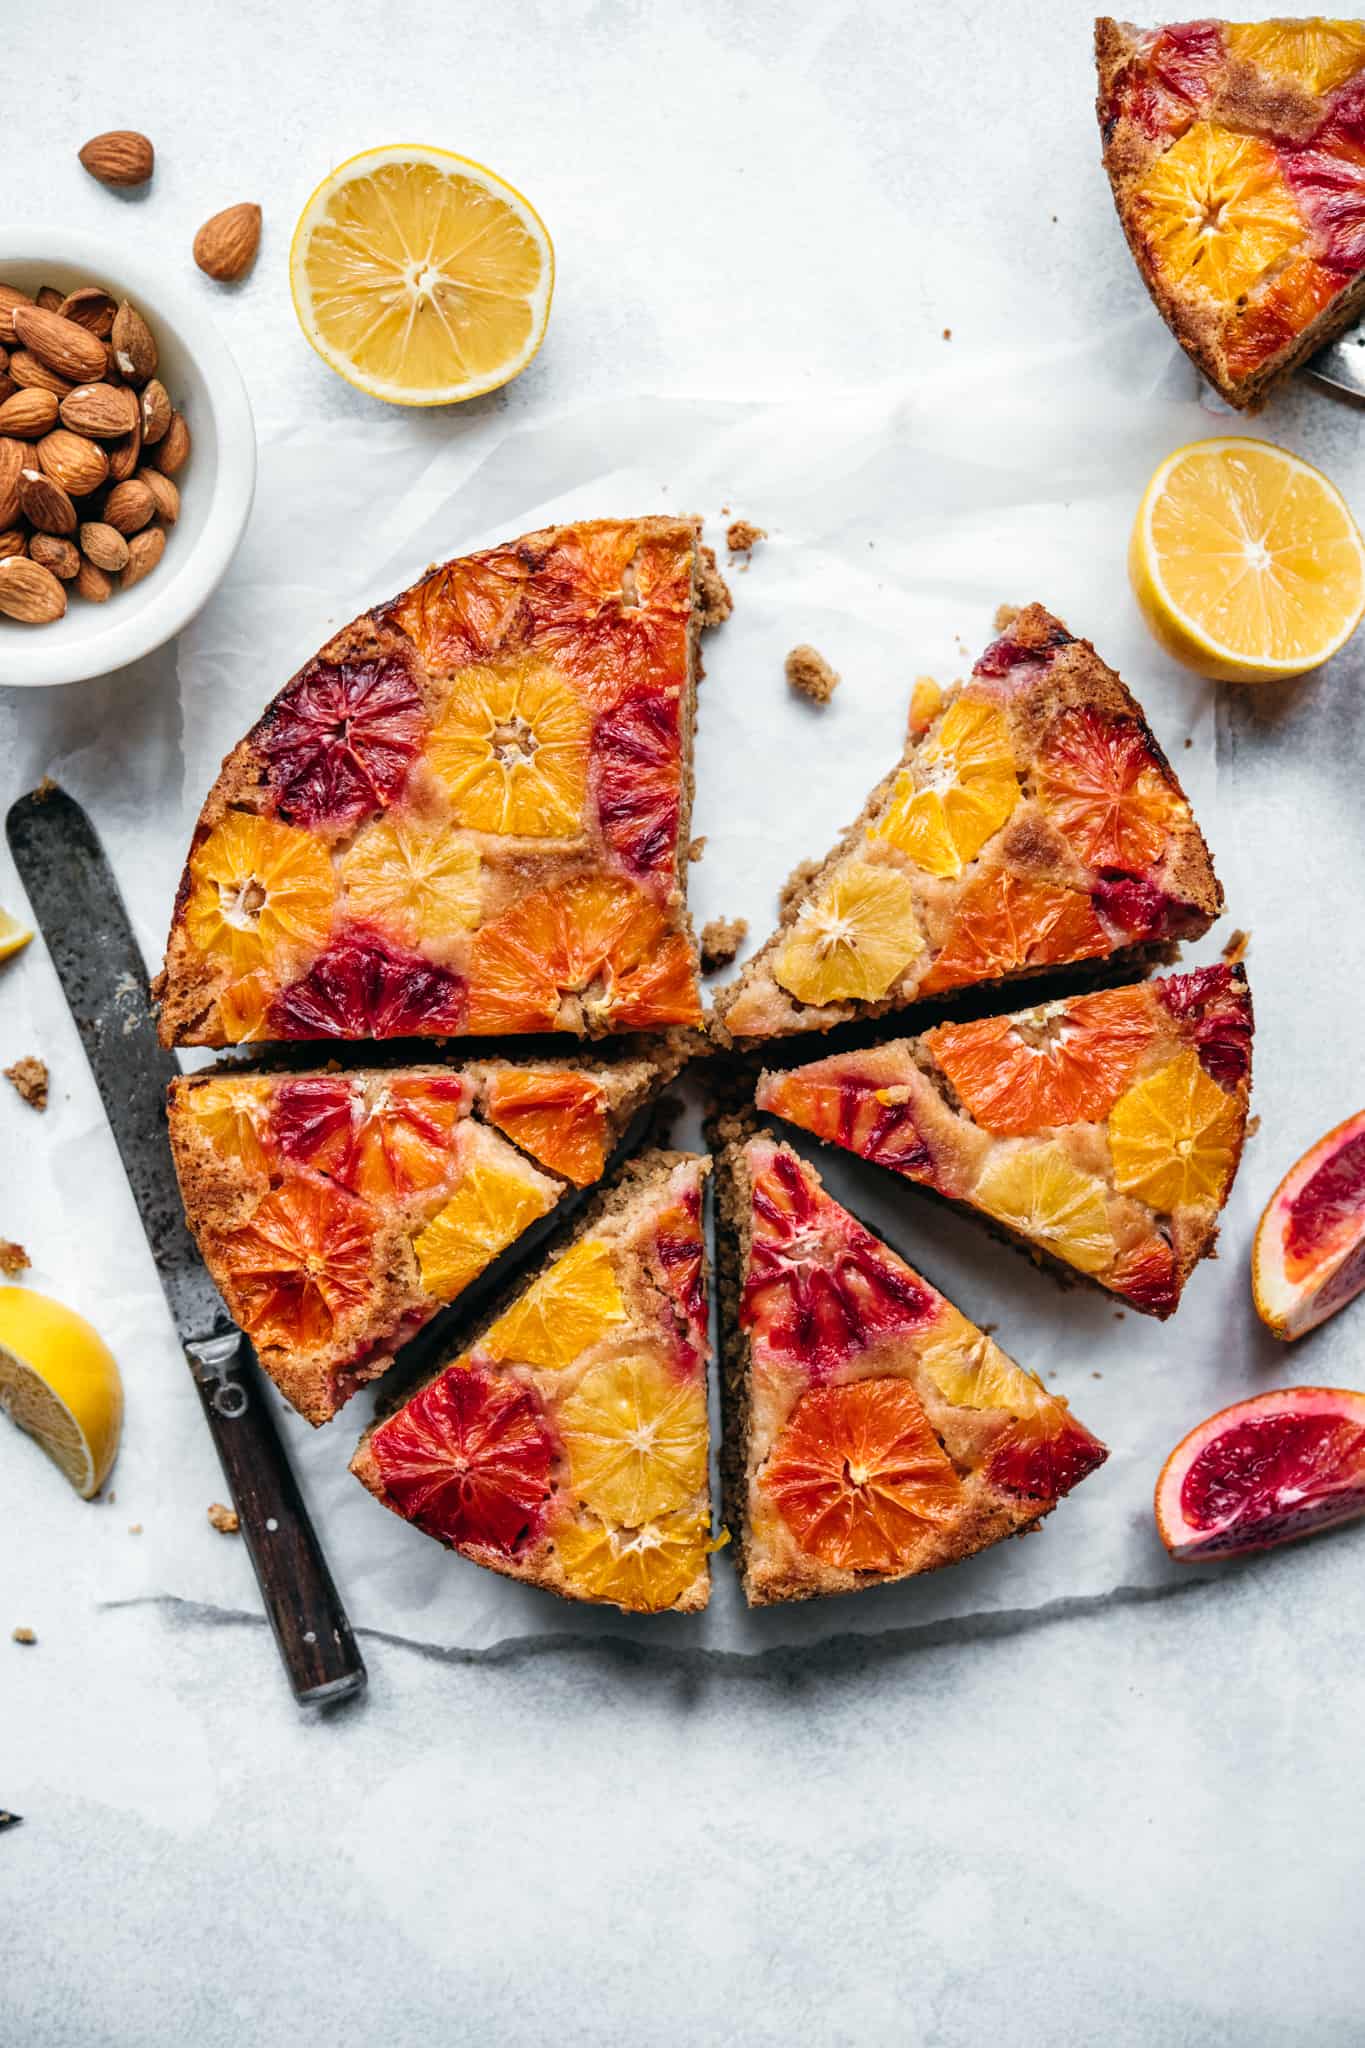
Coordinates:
(90,939)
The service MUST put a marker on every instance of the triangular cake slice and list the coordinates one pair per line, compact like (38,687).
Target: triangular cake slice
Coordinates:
(870,1430)
(1103,1130)
(568,1445)
(1031,823)
(1236,154)
(468,814)
(338,1212)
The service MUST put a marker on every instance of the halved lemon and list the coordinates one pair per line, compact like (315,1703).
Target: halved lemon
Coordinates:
(59,1381)
(13,935)
(1245,561)
(421,277)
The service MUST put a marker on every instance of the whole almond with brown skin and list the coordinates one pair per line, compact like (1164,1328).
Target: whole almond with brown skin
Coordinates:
(28,414)
(156,411)
(93,307)
(173,450)
(125,455)
(60,556)
(64,345)
(225,247)
(25,369)
(79,465)
(10,297)
(92,584)
(44,503)
(121,156)
(104,411)
(13,541)
(128,506)
(133,344)
(164,494)
(29,592)
(49,298)
(104,545)
(13,456)
(144,552)
(8,387)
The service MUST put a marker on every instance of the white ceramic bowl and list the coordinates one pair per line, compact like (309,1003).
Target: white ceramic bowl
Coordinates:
(216,483)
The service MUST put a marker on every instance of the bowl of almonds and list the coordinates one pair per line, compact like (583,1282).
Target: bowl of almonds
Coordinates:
(127,458)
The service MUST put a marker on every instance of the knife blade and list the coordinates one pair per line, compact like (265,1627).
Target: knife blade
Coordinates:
(1341,365)
(92,946)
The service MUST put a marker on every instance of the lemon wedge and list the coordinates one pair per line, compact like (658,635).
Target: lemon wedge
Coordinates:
(13,935)
(1245,561)
(421,277)
(58,1381)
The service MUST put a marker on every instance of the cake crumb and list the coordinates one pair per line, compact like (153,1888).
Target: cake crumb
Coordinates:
(23,1635)
(1236,948)
(742,536)
(809,673)
(714,602)
(224,1519)
(721,939)
(13,1259)
(135,1528)
(1005,616)
(947,334)
(697,847)
(29,1076)
(1253,1125)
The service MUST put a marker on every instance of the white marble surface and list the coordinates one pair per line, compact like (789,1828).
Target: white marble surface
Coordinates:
(1129,1814)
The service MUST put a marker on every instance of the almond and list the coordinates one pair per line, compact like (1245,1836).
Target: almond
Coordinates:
(78,465)
(164,495)
(13,456)
(28,414)
(44,503)
(8,387)
(105,411)
(57,555)
(144,552)
(10,297)
(128,506)
(225,247)
(104,545)
(64,345)
(125,455)
(49,298)
(93,307)
(156,411)
(29,592)
(25,369)
(119,157)
(92,583)
(173,451)
(133,344)
(13,541)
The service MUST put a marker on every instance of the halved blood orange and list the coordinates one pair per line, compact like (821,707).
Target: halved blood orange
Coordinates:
(390,1138)
(1105,790)
(1309,1257)
(1004,922)
(305,1260)
(468,1459)
(612,610)
(1063,1063)
(559,1117)
(1263,1472)
(859,1476)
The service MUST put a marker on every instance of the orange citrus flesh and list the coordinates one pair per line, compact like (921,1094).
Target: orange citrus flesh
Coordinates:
(1173,1137)
(560,1118)
(1038,1191)
(1319,55)
(854,940)
(1309,1256)
(1215,211)
(1064,1063)
(419,885)
(959,792)
(635,1433)
(261,894)
(1003,923)
(304,1262)
(596,950)
(490,1208)
(1105,790)
(563,1313)
(511,747)
(645,1569)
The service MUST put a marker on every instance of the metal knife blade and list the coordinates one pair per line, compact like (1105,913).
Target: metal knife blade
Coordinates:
(1341,365)
(90,939)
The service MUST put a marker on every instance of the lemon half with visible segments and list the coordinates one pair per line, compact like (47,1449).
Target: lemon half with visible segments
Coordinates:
(1246,562)
(59,1381)
(421,277)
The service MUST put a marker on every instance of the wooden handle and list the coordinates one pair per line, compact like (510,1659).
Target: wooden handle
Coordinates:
(301,1602)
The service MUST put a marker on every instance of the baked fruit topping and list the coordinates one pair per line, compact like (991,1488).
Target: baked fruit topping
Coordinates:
(498,759)
(1033,822)
(338,1212)
(1264,1472)
(908,1442)
(568,1445)
(1236,154)
(1103,1130)
(1309,1256)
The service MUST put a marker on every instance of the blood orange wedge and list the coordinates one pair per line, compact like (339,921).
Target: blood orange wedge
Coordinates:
(1264,1472)
(1309,1257)
(468,1460)
(871,1430)
(621,1508)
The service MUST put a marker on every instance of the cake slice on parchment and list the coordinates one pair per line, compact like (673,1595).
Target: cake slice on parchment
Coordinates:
(468,814)
(1032,822)
(568,1444)
(871,1431)
(1102,1130)
(338,1212)
(1236,155)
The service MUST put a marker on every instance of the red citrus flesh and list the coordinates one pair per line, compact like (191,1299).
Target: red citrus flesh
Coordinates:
(1042,1462)
(1264,1472)
(1161,89)
(1327,179)
(340,739)
(1309,1256)
(678,1244)
(1214,1004)
(636,755)
(362,988)
(468,1459)
(392,1141)
(838,1100)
